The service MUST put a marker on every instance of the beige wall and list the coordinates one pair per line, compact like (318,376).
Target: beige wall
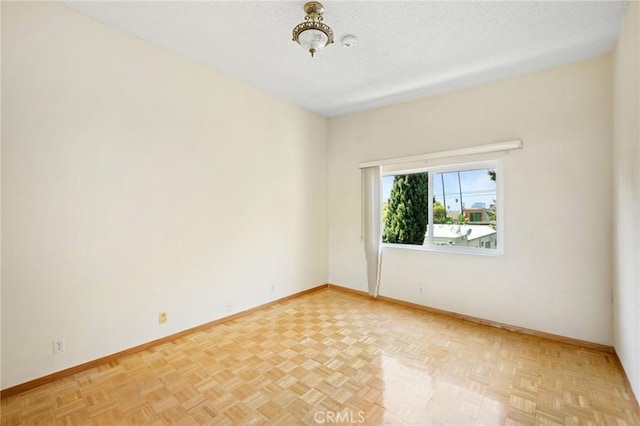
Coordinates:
(134,182)
(626,182)
(555,275)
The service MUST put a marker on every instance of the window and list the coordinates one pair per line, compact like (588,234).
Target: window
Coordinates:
(475,217)
(452,208)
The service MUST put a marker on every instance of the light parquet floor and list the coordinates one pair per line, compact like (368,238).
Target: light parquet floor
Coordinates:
(331,357)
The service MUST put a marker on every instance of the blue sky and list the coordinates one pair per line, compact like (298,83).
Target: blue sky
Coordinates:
(476,185)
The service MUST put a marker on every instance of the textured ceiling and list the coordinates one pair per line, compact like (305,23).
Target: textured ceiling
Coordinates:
(405,49)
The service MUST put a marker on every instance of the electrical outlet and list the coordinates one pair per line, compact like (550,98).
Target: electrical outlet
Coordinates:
(59,346)
(162,318)
(273,288)
(229,307)
(420,290)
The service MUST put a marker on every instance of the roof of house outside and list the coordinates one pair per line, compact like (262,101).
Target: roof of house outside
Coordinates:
(457,231)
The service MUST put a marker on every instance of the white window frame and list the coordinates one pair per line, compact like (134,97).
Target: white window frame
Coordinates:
(496,164)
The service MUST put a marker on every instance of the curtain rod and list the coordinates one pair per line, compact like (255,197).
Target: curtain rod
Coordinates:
(480,149)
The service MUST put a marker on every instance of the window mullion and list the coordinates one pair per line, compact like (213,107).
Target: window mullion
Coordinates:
(430,204)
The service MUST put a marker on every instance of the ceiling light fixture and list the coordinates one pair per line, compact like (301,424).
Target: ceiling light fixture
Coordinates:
(313,34)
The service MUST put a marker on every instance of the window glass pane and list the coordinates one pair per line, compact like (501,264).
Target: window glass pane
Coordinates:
(464,208)
(405,208)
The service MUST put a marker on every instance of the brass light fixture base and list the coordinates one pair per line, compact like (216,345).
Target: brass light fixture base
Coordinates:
(314,9)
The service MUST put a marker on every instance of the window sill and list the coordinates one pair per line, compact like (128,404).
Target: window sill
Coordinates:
(444,249)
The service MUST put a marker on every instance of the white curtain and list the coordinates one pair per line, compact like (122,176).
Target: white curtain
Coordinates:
(371,223)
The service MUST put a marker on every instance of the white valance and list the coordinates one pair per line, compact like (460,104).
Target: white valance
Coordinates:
(472,150)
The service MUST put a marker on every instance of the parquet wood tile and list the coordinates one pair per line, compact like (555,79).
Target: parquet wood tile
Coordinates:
(330,357)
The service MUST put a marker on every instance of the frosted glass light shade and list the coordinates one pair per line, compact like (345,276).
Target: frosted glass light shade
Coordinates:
(312,40)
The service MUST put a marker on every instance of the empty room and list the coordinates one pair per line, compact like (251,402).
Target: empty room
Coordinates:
(346,212)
